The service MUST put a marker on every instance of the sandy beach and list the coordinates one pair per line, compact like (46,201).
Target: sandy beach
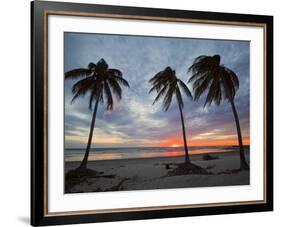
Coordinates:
(153,173)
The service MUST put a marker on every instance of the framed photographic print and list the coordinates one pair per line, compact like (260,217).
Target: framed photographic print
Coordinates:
(142,113)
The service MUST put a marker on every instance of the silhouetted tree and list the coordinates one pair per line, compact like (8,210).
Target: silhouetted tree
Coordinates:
(167,85)
(100,82)
(208,75)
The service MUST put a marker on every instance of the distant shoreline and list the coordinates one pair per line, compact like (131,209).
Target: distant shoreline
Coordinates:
(160,157)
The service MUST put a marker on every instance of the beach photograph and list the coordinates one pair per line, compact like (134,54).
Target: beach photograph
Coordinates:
(147,112)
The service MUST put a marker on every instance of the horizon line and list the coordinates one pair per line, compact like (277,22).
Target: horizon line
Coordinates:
(227,145)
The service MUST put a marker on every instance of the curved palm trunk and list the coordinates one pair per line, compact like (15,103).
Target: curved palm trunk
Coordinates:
(187,160)
(243,163)
(83,164)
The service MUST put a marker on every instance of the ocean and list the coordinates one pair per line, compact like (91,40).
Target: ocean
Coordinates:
(141,152)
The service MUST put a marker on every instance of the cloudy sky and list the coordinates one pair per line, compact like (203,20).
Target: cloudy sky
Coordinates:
(135,121)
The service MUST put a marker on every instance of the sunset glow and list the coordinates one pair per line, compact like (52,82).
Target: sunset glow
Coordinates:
(177,142)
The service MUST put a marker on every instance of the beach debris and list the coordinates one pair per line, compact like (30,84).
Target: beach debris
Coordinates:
(170,165)
(167,166)
(187,168)
(207,157)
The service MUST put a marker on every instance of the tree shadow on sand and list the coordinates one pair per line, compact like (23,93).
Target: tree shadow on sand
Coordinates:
(231,171)
(78,176)
(178,169)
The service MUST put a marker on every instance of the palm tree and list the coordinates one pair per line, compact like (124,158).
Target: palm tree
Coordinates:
(100,82)
(167,85)
(221,83)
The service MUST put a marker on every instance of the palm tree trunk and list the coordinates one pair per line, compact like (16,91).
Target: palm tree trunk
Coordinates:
(187,160)
(83,164)
(243,163)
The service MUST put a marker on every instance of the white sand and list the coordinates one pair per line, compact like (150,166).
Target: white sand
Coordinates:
(141,174)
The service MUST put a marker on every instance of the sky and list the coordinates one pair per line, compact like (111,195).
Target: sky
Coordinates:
(135,122)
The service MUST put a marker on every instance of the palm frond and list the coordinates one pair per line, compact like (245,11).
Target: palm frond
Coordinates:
(169,96)
(115,72)
(81,87)
(162,76)
(185,88)
(161,93)
(197,76)
(101,96)
(167,100)
(96,94)
(200,86)
(218,94)
(99,81)
(157,87)
(117,90)
(207,73)
(204,63)
(92,97)
(165,84)
(82,84)
(78,94)
(76,73)
(121,80)
(152,89)
(179,97)
(109,98)
(199,60)
(155,77)
(233,77)
(214,93)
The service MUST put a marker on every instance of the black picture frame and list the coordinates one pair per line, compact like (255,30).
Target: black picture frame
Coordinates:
(39,124)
